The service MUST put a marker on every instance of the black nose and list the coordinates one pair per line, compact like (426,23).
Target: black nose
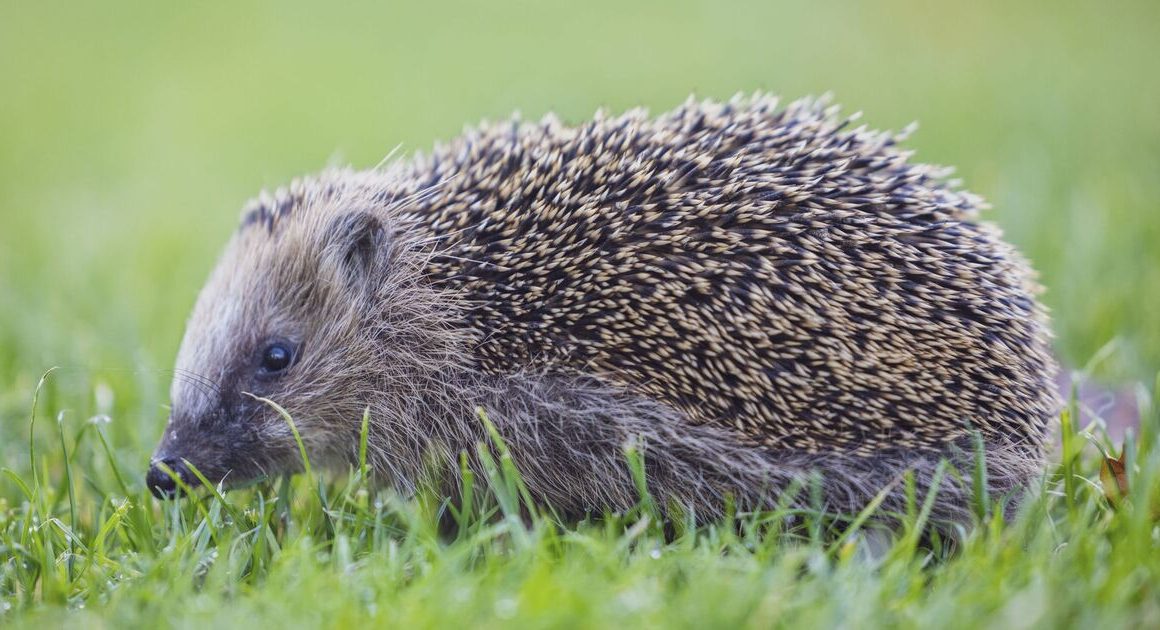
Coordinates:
(161,483)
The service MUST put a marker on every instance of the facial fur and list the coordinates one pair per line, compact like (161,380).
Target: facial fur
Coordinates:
(311,285)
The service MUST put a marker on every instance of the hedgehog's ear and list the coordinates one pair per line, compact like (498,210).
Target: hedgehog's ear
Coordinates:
(358,243)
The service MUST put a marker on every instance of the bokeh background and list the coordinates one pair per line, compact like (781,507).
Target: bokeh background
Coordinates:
(132,133)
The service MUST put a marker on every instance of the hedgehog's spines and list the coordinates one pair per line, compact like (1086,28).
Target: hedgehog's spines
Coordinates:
(777,271)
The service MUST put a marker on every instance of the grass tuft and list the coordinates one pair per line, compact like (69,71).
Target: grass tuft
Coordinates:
(89,540)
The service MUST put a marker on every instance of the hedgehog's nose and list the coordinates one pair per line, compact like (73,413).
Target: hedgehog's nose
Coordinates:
(161,483)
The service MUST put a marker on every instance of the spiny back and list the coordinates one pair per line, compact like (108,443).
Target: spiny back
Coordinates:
(767,269)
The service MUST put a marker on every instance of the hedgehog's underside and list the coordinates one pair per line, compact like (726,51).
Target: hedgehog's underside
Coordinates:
(754,292)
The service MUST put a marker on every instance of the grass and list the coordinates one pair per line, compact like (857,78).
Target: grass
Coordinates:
(81,546)
(131,134)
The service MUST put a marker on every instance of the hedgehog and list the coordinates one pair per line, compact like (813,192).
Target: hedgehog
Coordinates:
(756,299)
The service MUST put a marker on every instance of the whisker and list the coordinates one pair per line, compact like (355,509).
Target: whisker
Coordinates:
(205,380)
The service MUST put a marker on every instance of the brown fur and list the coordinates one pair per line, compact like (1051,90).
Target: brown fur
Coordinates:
(748,293)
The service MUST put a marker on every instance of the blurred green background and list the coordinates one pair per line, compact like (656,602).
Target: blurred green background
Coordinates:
(132,133)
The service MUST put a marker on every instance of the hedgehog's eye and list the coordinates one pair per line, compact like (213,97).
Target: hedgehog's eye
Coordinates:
(276,357)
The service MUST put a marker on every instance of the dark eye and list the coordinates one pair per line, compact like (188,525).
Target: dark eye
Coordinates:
(276,357)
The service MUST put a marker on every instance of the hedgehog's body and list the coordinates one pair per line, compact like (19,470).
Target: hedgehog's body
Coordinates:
(746,292)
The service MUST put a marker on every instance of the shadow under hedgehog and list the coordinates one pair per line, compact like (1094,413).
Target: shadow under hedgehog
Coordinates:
(750,294)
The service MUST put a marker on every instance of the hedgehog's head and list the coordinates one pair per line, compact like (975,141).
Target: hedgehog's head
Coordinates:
(287,317)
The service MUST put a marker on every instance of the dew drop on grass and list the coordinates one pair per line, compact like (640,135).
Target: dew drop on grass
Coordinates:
(103,395)
(506,608)
(100,419)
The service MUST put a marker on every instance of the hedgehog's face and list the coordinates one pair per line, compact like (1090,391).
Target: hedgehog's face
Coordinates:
(278,322)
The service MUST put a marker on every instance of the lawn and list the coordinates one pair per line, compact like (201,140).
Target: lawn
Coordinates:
(131,135)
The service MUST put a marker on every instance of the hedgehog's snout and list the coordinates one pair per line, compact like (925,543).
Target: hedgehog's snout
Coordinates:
(161,483)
